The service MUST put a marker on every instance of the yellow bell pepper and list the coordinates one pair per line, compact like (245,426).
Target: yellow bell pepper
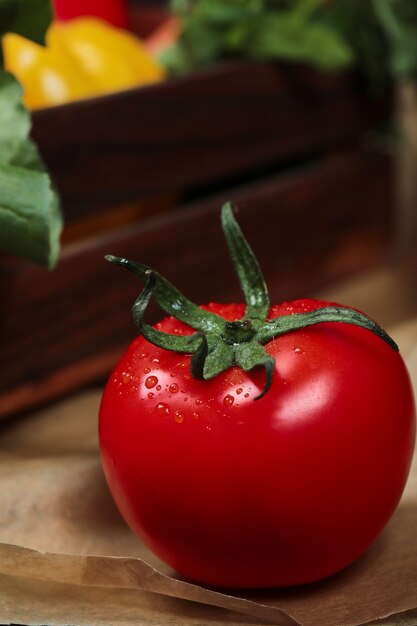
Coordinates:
(83,58)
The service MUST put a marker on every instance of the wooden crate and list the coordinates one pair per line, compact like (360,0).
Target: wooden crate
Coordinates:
(234,120)
(143,174)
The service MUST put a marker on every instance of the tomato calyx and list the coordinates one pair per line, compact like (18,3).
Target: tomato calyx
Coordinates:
(238,332)
(218,344)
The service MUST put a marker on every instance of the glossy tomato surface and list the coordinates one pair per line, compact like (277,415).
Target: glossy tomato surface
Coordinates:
(280,491)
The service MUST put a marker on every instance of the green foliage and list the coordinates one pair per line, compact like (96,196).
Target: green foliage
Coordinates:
(358,24)
(29,18)
(278,36)
(30,218)
(378,36)
(258,29)
(399,20)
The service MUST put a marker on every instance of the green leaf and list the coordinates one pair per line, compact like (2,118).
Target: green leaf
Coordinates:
(14,119)
(378,36)
(399,20)
(303,10)
(176,60)
(260,29)
(30,221)
(280,36)
(356,22)
(30,218)
(29,18)
(8,11)
(199,45)
(221,12)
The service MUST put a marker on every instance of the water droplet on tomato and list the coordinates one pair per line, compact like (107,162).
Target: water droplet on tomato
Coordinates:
(162,408)
(174,388)
(199,401)
(151,395)
(298,351)
(246,395)
(196,415)
(142,355)
(158,387)
(155,360)
(179,417)
(187,377)
(239,391)
(185,399)
(151,381)
(126,378)
(146,370)
(228,400)
(172,374)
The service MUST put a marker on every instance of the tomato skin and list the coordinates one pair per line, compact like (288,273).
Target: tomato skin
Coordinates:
(280,491)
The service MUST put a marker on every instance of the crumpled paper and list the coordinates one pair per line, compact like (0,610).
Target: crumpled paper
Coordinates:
(67,557)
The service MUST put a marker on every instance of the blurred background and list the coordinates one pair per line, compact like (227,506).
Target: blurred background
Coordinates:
(147,116)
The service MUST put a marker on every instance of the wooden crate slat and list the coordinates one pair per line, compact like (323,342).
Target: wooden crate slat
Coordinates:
(197,130)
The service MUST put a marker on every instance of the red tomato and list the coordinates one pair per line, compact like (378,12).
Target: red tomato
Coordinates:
(281,491)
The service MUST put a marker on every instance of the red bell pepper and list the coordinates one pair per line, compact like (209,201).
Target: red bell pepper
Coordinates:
(113,11)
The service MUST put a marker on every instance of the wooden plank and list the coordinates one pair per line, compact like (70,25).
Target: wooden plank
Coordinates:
(64,329)
(235,118)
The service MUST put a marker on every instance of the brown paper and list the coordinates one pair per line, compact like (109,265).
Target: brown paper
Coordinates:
(67,557)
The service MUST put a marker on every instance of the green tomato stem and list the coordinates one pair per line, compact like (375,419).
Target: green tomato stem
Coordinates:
(219,344)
